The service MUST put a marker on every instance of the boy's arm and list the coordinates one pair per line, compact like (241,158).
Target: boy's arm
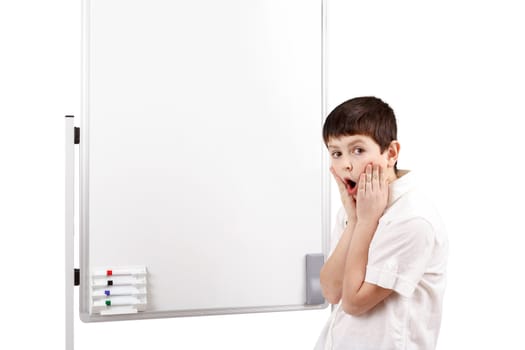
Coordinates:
(332,272)
(349,267)
(358,295)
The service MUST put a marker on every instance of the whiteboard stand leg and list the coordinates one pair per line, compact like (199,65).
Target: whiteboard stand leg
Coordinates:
(70,231)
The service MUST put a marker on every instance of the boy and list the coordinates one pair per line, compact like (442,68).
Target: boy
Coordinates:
(386,268)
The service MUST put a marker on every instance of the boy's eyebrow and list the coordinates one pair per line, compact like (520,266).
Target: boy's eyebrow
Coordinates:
(349,144)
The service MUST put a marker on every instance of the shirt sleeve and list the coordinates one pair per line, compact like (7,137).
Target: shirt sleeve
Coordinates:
(399,254)
(338,230)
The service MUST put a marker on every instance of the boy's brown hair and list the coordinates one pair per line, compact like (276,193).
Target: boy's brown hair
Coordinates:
(368,116)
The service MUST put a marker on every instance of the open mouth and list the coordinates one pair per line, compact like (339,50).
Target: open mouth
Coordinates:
(351,186)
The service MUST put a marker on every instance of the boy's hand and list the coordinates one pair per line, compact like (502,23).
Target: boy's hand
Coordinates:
(348,202)
(372,194)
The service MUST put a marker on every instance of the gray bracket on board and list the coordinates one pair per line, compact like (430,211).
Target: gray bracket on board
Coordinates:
(314,263)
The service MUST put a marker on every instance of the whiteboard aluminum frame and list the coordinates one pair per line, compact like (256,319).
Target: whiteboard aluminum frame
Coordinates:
(70,232)
(84,194)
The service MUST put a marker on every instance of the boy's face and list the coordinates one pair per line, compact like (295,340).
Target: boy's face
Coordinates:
(351,154)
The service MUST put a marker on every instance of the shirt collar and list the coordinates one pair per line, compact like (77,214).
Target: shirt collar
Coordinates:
(403,184)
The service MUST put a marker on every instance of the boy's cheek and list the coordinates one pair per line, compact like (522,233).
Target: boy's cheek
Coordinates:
(339,175)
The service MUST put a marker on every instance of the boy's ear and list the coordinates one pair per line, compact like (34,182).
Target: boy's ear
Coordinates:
(393,153)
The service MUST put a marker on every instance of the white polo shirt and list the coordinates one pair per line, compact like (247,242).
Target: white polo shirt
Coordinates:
(408,254)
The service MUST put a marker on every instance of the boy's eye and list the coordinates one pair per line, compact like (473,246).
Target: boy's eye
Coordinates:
(336,154)
(358,150)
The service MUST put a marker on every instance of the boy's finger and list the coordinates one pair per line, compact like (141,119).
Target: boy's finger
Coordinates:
(361,187)
(368,184)
(375,178)
(382,181)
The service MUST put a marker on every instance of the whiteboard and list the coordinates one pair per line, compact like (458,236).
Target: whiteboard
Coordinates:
(201,157)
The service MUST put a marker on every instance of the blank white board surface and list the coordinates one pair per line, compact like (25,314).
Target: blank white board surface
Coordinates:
(201,152)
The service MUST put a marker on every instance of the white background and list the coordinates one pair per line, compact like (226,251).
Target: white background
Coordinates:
(452,71)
